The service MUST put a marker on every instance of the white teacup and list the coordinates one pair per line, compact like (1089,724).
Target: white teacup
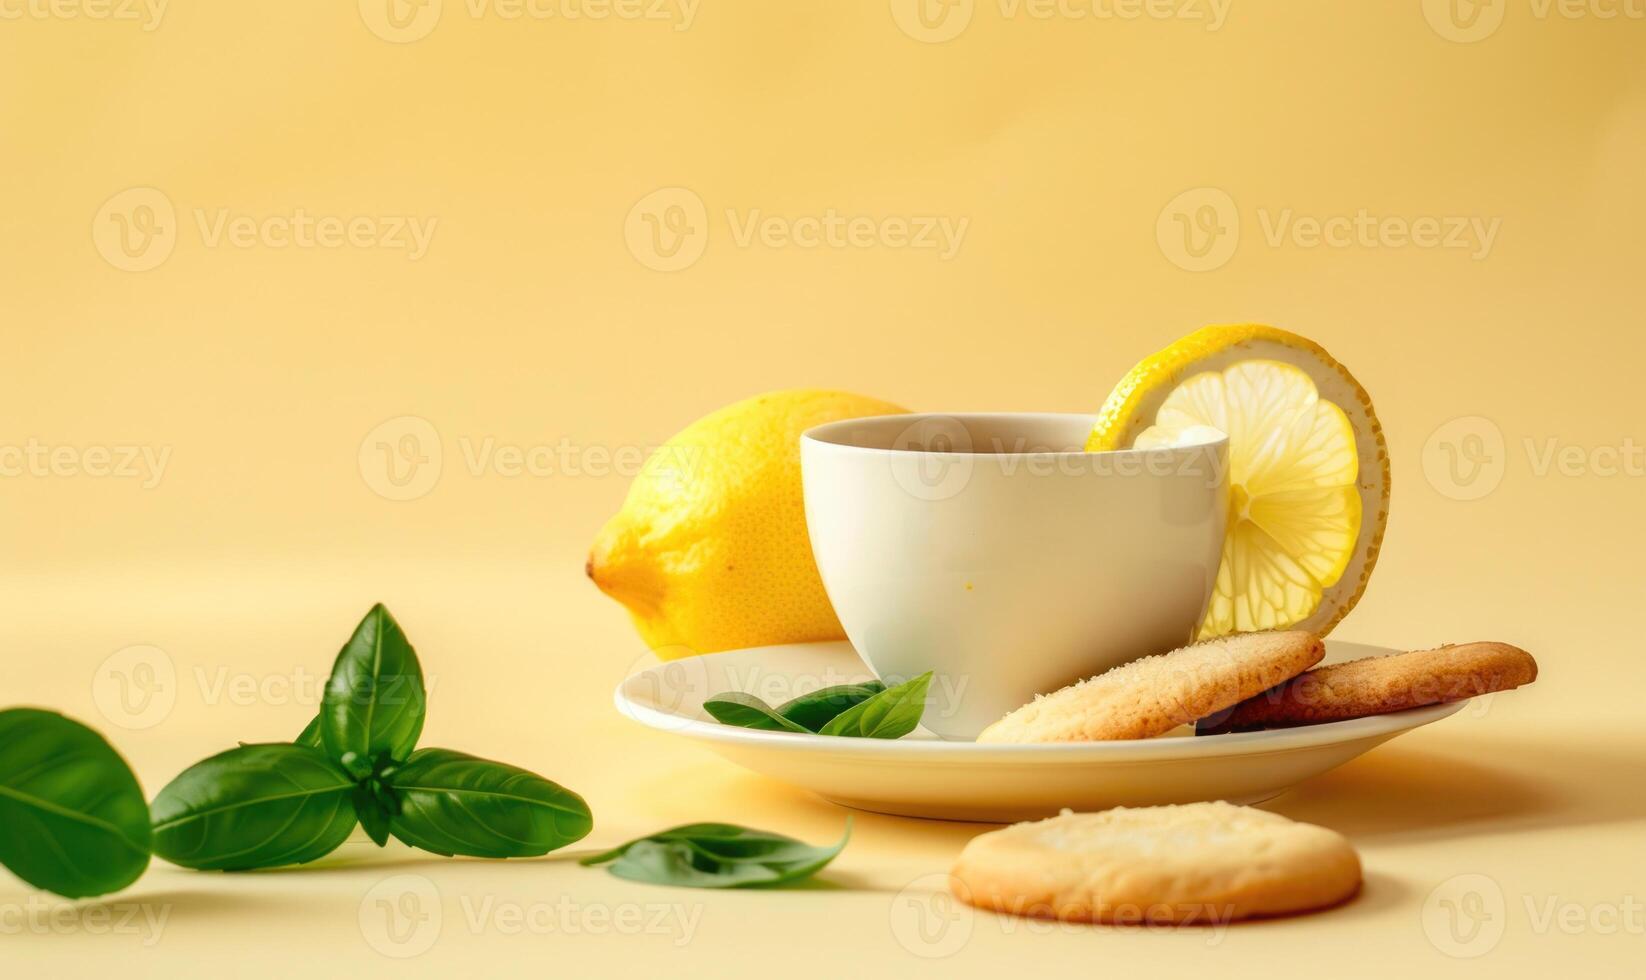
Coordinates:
(993,550)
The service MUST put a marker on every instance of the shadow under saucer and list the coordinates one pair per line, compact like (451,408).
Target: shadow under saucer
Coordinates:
(1467,785)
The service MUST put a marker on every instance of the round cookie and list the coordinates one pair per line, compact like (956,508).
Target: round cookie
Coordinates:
(1202,863)
(1154,695)
(1376,685)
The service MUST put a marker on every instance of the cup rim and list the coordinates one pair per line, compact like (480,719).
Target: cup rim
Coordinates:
(828,433)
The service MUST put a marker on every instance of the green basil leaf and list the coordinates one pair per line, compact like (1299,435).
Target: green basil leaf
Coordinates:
(452,803)
(374,807)
(717,855)
(816,709)
(725,839)
(748,711)
(374,701)
(73,814)
(893,713)
(257,806)
(310,735)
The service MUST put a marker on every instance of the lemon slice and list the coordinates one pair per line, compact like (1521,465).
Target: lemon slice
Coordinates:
(1308,468)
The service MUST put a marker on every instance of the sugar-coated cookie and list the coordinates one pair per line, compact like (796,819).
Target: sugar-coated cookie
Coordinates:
(1203,863)
(1375,685)
(1152,696)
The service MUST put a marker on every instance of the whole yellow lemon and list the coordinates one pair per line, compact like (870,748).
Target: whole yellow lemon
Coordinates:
(710,549)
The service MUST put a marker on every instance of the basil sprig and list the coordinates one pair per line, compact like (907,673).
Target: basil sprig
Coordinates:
(867,710)
(72,816)
(262,806)
(718,855)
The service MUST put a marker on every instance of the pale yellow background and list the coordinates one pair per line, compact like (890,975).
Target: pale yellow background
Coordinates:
(535,320)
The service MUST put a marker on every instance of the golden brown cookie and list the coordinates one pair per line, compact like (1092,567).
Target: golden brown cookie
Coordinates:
(1376,685)
(1154,695)
(1204,863)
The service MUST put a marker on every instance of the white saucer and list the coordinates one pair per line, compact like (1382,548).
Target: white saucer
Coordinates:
(921,775)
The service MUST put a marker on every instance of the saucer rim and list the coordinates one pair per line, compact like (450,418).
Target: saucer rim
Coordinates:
(1164,748)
